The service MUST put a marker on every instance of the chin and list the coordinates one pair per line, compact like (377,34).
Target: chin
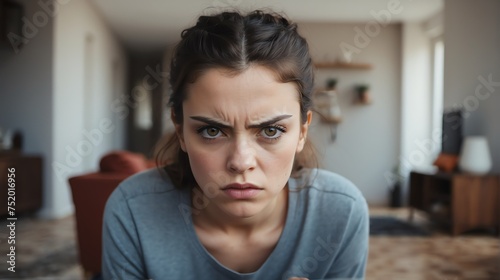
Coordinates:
(243,210)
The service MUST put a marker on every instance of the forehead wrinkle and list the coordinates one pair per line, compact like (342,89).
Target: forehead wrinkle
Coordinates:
(268,114)
(232,113)
(224,115)
(221,100)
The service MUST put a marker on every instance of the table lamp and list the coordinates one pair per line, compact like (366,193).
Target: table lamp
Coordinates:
(475,155)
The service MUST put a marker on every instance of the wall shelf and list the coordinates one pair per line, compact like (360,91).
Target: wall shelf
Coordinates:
(343,65)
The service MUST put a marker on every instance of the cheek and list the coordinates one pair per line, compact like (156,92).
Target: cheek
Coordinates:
(203,161)
(280,161)
(199,157)
(208,166)
(277,171)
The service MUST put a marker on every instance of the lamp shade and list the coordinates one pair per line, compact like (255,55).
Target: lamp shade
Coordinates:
(475,155)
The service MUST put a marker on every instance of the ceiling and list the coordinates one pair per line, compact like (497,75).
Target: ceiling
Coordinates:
(153,24)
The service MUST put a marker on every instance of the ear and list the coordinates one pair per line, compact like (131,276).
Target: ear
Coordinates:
(303,132)
(178,131)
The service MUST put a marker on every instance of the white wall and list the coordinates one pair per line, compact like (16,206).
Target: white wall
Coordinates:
(417,139)
(472,42)
(89,78)
(26,86)
(367,144)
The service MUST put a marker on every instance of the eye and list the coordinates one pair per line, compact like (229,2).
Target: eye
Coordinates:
(209,132)
(272,132)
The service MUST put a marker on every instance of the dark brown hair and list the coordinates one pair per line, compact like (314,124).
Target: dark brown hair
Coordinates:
(233,41)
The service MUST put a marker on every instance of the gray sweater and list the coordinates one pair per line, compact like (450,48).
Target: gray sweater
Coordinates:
(148,232)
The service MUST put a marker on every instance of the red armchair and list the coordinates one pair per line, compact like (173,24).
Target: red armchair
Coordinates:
(90,193)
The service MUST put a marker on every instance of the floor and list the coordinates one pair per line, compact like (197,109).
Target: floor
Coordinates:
(440,257)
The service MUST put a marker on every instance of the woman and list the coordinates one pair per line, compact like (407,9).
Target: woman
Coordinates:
(239,201)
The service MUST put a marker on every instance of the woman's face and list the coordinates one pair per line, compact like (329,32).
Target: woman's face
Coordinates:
(242,130)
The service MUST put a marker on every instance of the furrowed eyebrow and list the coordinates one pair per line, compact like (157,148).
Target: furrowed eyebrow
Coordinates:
(210,121)
(270,122)
(213,122)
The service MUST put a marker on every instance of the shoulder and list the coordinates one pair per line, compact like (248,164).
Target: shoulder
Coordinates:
(333,204)
(323,192)
(148,183)
(336,209)
(329,184)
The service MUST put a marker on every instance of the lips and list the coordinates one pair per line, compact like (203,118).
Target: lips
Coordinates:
(242,191)
(237,186)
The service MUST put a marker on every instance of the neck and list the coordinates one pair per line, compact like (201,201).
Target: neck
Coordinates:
(271,218)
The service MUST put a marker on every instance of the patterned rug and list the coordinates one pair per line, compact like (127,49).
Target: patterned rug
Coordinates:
(390,226)
(47,266)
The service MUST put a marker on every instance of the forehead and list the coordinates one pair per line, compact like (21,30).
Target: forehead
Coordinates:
(255,90)
(254,76)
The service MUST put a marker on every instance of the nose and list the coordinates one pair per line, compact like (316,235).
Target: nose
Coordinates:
(241,157)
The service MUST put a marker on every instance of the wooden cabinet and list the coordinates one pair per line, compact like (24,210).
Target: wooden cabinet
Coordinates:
(28,182)
(461,201)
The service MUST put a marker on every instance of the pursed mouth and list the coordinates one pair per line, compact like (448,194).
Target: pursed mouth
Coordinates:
(241,187)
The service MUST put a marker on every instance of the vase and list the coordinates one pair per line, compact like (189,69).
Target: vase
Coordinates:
(475,155)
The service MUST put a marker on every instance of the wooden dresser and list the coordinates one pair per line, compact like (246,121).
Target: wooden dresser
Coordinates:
(459,200)
(28,182)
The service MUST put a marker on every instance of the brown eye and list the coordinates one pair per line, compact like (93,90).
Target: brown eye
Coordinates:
(210,132)
(270,131)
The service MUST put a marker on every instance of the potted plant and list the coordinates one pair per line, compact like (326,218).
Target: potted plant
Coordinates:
(331,84)
(363,94)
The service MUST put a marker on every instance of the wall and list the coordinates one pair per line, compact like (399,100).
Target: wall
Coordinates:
(420,115)
(367,144)
(417,139)
(89,110)
(472,55)
(26,86)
